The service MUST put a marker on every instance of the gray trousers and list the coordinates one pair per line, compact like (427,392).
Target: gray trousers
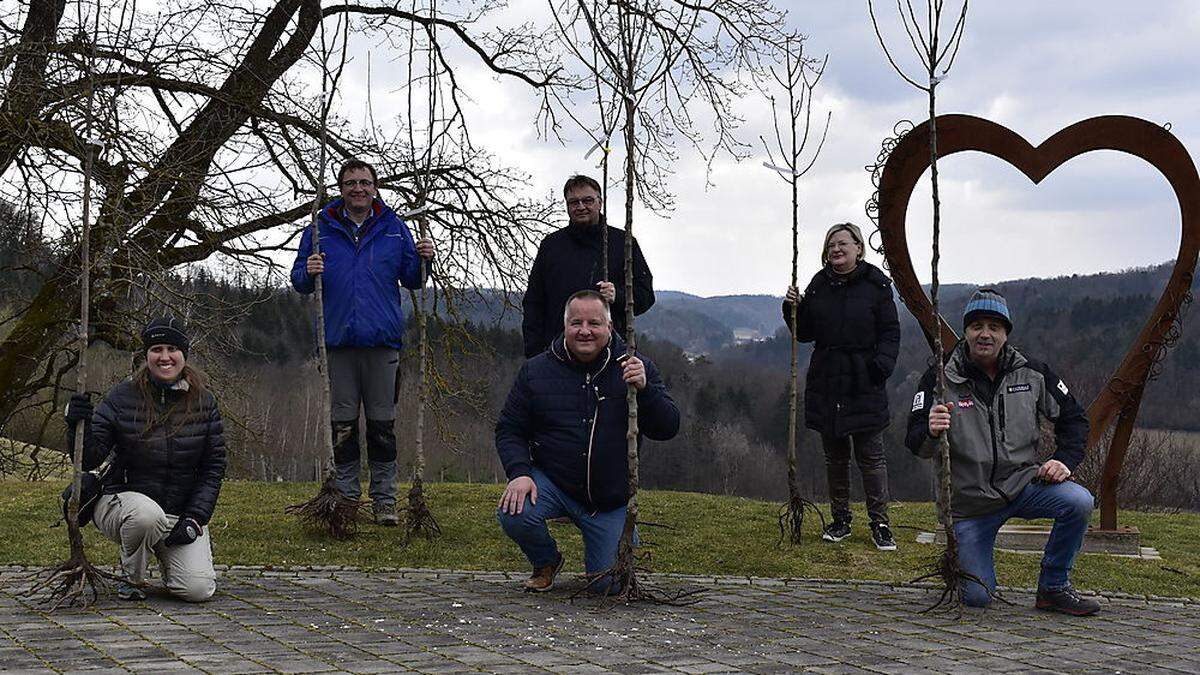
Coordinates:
(139,525)
(364,377)
(868,452)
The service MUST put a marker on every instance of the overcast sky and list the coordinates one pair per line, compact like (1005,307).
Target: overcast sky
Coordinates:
(1031,65)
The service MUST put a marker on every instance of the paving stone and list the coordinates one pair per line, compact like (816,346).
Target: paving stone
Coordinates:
(336,619)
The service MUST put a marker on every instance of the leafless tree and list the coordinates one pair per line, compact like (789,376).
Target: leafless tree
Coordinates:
(208,149)
(936,56)
(798,77)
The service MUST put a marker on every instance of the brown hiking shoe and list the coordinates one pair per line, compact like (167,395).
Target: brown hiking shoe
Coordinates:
(385,514)
(542,578)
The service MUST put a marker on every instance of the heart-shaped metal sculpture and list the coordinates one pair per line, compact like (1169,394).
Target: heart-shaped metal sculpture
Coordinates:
(1122,395)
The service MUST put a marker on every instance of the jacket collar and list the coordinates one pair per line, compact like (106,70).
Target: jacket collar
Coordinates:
(335,214)
(585,233)
(861,270)
(959,367)
(558,349)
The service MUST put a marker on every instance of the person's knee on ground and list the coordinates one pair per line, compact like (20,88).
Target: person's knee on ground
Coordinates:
(975,594)
(193,588)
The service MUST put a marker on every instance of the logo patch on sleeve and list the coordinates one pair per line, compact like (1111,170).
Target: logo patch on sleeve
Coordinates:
(1017,388)
(918,401)
(967,403)
(1062,386)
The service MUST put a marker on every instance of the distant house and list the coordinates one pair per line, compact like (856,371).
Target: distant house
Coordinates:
(743,336)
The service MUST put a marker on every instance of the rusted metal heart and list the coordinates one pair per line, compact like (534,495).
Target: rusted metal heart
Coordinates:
(1151,142)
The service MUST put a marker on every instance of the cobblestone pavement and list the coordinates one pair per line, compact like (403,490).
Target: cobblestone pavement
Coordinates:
(339,620)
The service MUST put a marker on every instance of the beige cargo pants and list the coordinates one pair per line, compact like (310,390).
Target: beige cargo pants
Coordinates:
(139,525)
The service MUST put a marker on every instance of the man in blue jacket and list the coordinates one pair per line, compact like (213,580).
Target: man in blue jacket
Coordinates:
(561,438)
(365,249)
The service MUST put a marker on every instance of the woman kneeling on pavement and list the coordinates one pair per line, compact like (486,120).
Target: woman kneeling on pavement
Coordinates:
(165,435)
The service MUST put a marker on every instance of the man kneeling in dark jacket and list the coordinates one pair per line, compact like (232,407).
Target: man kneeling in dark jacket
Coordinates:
(561,438)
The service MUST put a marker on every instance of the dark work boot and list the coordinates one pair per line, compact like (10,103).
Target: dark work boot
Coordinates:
(1067,601)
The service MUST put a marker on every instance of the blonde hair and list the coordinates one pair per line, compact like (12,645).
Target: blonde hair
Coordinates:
(855,234)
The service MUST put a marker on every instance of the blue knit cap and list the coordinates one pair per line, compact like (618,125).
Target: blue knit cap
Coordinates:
(987,302)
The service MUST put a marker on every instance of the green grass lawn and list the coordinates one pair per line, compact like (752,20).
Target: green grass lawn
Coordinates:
(708,535)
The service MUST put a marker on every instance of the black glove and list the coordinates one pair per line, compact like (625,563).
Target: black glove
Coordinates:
(78,409)
(184,532)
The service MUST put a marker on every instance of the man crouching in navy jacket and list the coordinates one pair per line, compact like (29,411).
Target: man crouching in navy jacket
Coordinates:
(561,438)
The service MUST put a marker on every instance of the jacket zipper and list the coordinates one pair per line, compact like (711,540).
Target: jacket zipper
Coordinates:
(992,431)
(591,439)
(995,456)
(1003,422)
(595,416)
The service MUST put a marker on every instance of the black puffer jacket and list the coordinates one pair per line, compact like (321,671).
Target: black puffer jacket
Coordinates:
(179,465)
(568,261)
(569,419)
(852,319)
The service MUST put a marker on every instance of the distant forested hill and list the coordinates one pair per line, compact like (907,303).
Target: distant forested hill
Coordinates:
(725,360)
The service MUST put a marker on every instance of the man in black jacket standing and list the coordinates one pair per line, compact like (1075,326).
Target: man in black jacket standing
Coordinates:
(561,438)
(571,259)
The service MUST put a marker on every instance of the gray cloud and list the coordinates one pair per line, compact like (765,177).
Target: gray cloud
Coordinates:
(1033,66)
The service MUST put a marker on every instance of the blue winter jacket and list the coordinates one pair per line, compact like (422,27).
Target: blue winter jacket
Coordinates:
(362,299)
(569,420)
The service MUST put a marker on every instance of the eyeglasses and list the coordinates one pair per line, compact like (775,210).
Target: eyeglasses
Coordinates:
(582,201)
(361,182)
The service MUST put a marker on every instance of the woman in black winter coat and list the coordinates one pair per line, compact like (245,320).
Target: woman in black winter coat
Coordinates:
(164,433)
(848,312)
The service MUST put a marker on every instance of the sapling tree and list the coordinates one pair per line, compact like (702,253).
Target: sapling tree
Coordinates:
(797,77)
(330,509)
(77,580)
(665,63)
(936,56)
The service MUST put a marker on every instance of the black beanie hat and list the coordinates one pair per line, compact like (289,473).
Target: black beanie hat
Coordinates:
(166,331)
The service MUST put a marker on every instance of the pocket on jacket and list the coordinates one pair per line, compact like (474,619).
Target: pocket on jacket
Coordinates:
(862,381)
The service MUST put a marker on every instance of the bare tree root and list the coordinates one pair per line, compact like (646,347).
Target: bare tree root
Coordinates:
(330,511)
(74,583)
(620,584)
(948,570)
(791,518)
(418,519)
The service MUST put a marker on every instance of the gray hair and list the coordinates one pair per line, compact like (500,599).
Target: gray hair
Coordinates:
(586,293)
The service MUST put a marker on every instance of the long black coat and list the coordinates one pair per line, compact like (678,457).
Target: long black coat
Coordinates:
(852,319)
(180,465)
(570,260)
(569,419)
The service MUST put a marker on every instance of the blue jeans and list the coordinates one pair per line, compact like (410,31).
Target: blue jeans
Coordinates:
(601,530)
(1069,504)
